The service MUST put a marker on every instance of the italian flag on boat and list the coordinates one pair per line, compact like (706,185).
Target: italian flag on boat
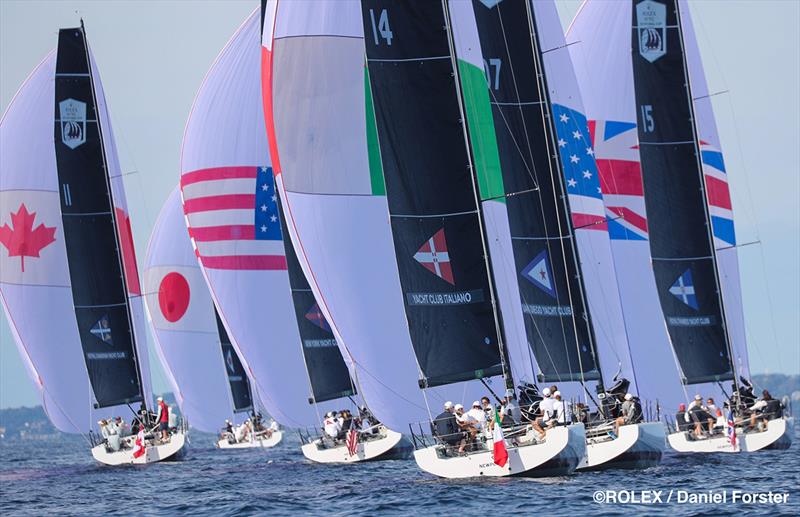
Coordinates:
(500,452)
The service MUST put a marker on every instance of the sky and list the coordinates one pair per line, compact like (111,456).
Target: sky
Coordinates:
(152,57)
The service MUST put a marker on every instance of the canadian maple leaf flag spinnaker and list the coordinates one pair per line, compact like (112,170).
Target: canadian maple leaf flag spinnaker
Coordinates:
(500,452)
(139,446)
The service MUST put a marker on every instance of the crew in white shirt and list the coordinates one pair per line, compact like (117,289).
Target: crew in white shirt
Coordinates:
(560,409)
(331,425)
(546,410)
(477,414)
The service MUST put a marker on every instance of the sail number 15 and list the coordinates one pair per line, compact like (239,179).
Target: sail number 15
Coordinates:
(381,29)
(648,123)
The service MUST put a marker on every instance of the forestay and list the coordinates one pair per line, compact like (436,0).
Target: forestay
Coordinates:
(183,321)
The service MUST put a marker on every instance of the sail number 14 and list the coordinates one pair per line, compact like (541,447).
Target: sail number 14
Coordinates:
(381,29)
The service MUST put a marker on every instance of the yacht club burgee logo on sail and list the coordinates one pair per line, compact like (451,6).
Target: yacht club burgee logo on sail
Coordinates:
(72,115)
(651,21)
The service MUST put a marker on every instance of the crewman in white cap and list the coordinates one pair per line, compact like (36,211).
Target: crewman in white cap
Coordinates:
(477,414)
(545,413)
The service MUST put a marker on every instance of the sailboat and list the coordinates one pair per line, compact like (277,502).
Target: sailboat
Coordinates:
(556,280)
(422,102)
(207,377)
(68,257)
(660,93)
(327,170)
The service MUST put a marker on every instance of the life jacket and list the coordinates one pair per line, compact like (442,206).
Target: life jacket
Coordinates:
(164,412)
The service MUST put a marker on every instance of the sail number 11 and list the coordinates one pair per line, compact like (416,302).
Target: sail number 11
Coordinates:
(382,28)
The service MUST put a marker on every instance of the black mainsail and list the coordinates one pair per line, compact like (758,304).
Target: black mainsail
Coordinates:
(241,392)
(431,191)
(102,307)
(681,243)
(557,323)
(327,371)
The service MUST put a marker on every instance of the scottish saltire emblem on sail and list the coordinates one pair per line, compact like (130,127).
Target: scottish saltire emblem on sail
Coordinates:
(651,23)
(538,273)
(233,217)
(580,170)
(315,316)
(72,116)
(102,330)
(434,257)
(683,289)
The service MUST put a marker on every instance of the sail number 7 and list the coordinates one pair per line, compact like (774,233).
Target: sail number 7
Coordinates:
(381,29)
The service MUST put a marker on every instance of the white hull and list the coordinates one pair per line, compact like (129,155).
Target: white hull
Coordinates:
(558,455)
(367,450)
(637,446)
(153,453)
(262,442)
(777,436)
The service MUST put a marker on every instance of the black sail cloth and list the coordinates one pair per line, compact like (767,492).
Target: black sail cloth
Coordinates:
(430,188)
(96,270)
(674,192)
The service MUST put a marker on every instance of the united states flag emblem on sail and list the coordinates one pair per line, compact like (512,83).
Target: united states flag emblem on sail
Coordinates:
(582,181)
(616,146)
(233,217)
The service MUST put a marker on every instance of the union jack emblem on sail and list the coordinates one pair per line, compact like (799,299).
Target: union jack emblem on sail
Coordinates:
(580,170)
(434,257)
(233,218)
(616,146)
(731,429)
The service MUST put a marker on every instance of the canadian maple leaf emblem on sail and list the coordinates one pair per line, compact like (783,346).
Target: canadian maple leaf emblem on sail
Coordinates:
(22,240)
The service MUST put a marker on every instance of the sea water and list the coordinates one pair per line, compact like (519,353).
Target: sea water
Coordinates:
(59,476)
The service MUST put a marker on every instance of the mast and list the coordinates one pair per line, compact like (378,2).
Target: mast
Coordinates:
(682,251)
(507,376)
(545,92)
(97,271)
(519,185)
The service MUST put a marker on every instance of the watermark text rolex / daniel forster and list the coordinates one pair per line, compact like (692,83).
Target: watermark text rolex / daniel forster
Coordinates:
(692,497)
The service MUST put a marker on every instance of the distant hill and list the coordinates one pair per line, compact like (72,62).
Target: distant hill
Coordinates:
(779,385)
(31,423)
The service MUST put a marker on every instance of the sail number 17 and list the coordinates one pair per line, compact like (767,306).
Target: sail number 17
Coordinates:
(381,28)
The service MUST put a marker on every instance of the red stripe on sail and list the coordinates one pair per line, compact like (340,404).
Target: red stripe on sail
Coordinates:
(218,173)
(630,216)
(245,262)
(718,193)
(128,251)
(266,104)
(232,232)
(620,177)
(223,202)
(589,222)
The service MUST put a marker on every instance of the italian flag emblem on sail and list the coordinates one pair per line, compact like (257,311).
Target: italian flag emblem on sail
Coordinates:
(500,452)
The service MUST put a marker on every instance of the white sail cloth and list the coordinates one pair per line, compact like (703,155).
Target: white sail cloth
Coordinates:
(34,276)
(599,43)
(230,205)
(182,319)
(326,166)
